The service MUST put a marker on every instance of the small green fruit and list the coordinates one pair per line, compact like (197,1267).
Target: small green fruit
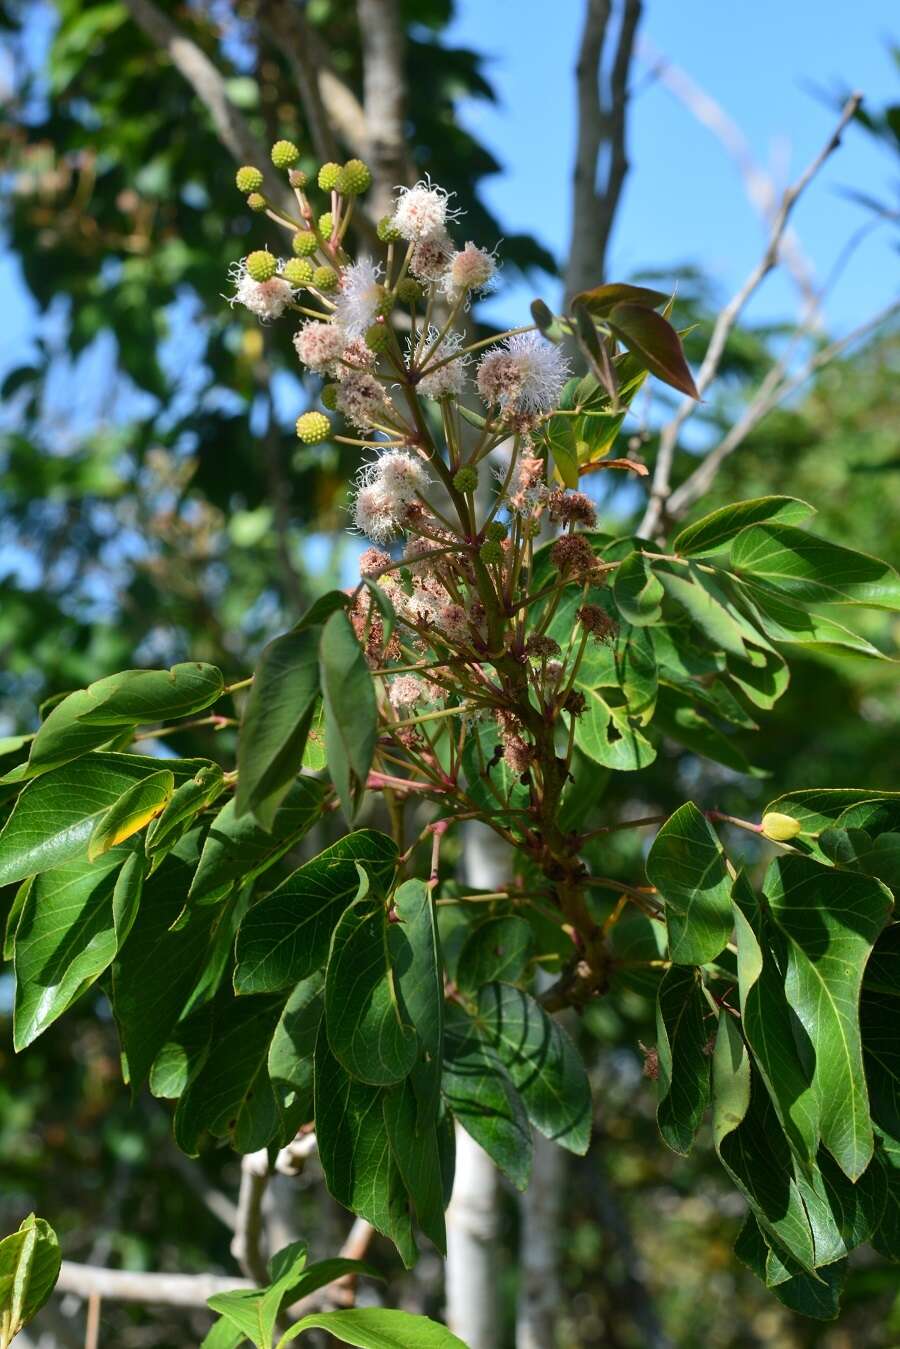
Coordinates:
(304,243)
(355,177)
(285,154)
(325,279)
(328,176)
(465,479)
(261,265)
(313,427)
(780,828)
(248,179)
(298,271)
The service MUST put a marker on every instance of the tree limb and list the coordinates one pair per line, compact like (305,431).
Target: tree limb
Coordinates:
(661,483)
(384,98)
(122,1285)
(246,1244)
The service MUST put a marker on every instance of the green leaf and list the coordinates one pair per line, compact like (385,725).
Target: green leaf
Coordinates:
(497,950)
(292,1049)
(655,342)
(482,1098)
(710,533)
(66,938)
(134,809)
(421,980)
(816,808)
(183,1054)
(687,865)
(817,1295)
(810,568)
(542,1062)
(783,621)
(29,1268)
(637,591)
(830,921)
(609,736)
(886,1237)
(155,971)
(678,718)
(275,724)
(415,1148)
(879,1012)
(286,935)
(376,1328)
(725,628)
(231,1096)
(187,801)
(237,849)
(54,816)
(360,1170)
(730,1078)
(351,713)
(369,1027)
(682,1047)
(90,717)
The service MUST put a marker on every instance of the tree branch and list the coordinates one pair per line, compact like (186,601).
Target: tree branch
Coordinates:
(246,1244)
(122,1285)
(202,75)
(384,98)
(661,483)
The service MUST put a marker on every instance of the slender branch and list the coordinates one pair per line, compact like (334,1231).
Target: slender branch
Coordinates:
(122,1285)
(286,27)
(384,97)
(246,1244)
(661,485)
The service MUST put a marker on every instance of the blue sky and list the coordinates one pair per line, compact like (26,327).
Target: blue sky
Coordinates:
(684,201)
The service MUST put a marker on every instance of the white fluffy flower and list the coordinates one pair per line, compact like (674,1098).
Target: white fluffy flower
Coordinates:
(406,691)
(524,374)
(356,303)
(431,257)
(319,346)
(373,513)
(422,212)
(361,398)
(469,271)
(399,474)
(266,299)
(449,378)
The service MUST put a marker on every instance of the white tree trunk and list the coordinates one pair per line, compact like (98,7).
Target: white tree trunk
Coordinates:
(473,1308)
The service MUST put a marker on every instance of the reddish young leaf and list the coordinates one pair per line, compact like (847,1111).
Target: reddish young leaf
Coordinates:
(601,300)
(656,342)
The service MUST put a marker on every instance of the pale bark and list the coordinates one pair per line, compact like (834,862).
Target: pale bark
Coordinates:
(540,1214)
(384,98)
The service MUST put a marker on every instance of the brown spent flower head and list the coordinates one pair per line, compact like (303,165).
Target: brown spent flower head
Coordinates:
(518,754)
(572,555)
(575,702)
(596,621)
(572,508)
(542,647)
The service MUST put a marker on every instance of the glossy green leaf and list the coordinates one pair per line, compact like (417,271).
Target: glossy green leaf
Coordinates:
(682,1046)
(497,950)
(609,736)
(55,815)
(187,801)
(135,808)
(730,1078)
(830,921)
(420,977)
(655,342)
(370,1030)
(817,1295)
(90,717)
(687,865)
(286,935)
(784,621)
(29,1268)
(810,568)
(415,1148)
(479,1092)
(678,718)
(292,1051)
(542,1062)
(711,532)
(351,714)
(637,591)
(724,627)
(377,1328)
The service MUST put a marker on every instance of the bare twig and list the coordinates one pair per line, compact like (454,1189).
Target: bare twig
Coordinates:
(601,122)
(246,1244)
(92,1323)
(201,74)
(661,485)
(122,1285)
(286,26)
(384,98)
(777,385)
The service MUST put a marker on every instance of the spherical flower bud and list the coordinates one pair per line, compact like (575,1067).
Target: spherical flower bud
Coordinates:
(518,754)
(248,179)
(378,337)
(325,279)
(285,154)
(313,427)
(304,243)
(328,176)
(409,291)
(325,223)
(297,178)
(298,271)
(491,551)
(465,479)
(387,231)
(355,177)
(261,265)
(779,828)
(386,301)
(256,201)
(329,396)
(497,530)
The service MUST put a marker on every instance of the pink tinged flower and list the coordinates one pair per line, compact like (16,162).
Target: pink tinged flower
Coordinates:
(406,691)
(361,399)
(399,474)
(525,374)
(357,301)
(498,379)
(373,514)
(448,379)
(421,212)
(357,355)
(430,258)
(471,269)
(266,299)
(319,346)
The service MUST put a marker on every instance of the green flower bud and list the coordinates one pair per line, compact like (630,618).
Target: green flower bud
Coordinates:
(328,176)
(329,396)
(248,179)
(256,201)
(386,301)
(465,479)
(409,291)
(325,279)
(355,177)
(490,551)
(325,224)
(261,265)
(285,154)
(304,243)
(298,271)
(497,530)
(387,231)
(297,178)
(313,427)
(780,828)
(378,337)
